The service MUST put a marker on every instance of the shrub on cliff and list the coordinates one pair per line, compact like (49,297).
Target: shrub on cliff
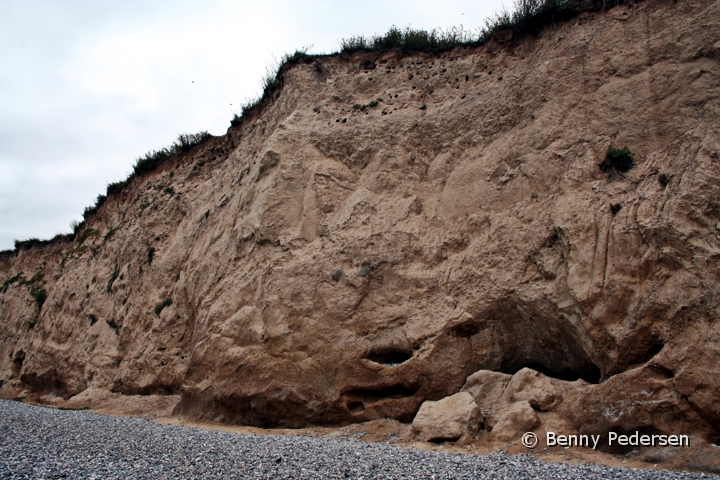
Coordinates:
(410,39)
(10,281)
(40,295)
(116,187)
(36,242)
(154,158)
(526,17)
(273,81)
(619,159)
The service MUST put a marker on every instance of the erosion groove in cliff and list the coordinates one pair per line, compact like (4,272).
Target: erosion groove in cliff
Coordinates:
(377,238)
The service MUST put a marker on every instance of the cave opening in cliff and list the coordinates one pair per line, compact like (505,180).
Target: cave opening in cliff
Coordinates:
(537,336)
(373,395)
(590,373)
(389,357)
(357,400)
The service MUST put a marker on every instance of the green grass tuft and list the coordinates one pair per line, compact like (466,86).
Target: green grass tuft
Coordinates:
(617,159)
(410,39)
(153,159)
(527,17)
(271,83)
(39,294)
(32,243)
(116,187)
(110,232)
(88,232)
(10,281)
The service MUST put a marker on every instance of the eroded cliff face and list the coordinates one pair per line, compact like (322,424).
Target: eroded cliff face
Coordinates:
(394,223)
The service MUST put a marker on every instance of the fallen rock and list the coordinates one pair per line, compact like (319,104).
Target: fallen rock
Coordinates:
(451,418)
(541,392)
(487,388)
(515,421)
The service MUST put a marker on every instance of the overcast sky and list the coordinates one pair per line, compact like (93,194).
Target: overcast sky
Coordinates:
(88,86)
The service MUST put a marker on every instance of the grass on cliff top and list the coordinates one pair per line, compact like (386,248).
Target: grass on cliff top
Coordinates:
(527,17)
(147,163)
(153,159)
(272,82)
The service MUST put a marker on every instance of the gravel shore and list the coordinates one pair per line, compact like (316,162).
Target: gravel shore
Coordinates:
(39,442)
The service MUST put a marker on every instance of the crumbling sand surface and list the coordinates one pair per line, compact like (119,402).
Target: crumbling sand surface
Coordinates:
(474,242)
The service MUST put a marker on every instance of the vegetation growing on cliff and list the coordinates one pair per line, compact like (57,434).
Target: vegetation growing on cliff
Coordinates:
(39,294)
(35,287)
(153,159)
(272,82)
(527,17)
(619,159)
(10,281)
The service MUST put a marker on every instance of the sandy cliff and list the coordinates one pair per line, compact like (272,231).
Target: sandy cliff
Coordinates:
(394,223)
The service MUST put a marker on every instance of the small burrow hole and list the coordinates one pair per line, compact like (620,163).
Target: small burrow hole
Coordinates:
(389,357)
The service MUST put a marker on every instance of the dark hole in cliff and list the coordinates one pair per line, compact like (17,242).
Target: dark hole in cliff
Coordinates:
(389,357)
(539,337)
(443,440)
(652,351)
(374,395)
(635,354)
(590,373)
(156,388)
(664,180)
(356,407)
(466,330)
(662,372)
(551,240)
(390,402)
(17,362)
(43,383)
